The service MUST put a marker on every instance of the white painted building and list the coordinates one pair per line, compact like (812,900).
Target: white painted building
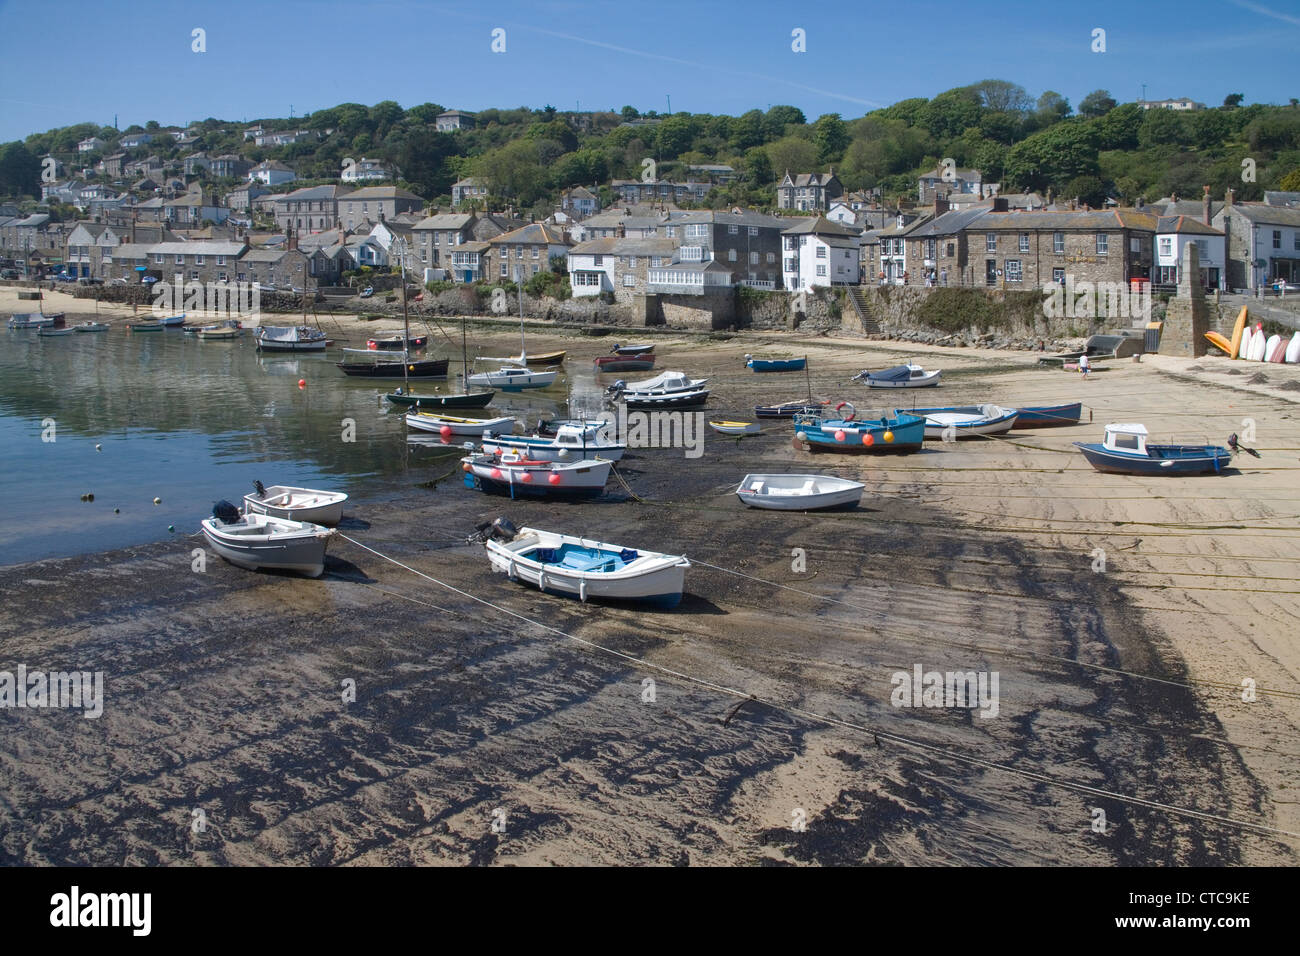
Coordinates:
(591,267)
(819,253)
(271,173)
(1175,233)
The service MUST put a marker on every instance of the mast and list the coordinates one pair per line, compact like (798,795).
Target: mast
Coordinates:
(523,351)
(406,328)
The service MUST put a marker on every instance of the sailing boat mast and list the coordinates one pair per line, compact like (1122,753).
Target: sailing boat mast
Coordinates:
(523,351)
(406,323)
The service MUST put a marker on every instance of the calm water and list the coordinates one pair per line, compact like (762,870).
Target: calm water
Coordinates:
(192,422)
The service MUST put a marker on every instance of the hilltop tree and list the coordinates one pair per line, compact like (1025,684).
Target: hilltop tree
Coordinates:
(1097,103)
(1000,96)
(1232,101)
(1054,156)
(20,171)
(951,113)
(779,117)
(831,137)
(1052,108)
(792,154)
(746,130)
(629,113)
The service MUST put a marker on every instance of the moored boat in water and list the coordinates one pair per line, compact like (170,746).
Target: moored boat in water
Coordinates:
(290,338)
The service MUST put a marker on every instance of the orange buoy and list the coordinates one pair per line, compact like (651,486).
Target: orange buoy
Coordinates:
(839,435)
(553,478)
(868,439)
(302,383)
(888,437)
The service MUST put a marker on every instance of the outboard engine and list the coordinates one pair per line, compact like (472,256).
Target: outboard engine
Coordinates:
(225,512)
(260,489)
(617,387)
(503,529)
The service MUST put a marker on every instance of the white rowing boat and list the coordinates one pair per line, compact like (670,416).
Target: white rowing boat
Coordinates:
(586,569)
(798,492)
(297,504)
(261,542)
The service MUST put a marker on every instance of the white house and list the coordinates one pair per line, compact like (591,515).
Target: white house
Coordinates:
(90,145)
(591,267)
(843,213)
(819,252)
(1173,234)
(271,173)
(364,170)
(132,140)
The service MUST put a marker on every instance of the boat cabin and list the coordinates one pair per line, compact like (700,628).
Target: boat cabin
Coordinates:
(1126,438)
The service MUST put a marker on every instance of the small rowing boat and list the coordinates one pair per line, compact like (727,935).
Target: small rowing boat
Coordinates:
(586,569)
(775,365)
(790,409)
(92,327)
(965,421)
(512,379)
(632,349)
(262,542)
(469,400)
(898,435)
(625,363)
(449,425)
(736,428)
(1049,416)
(296,504)
(798,492)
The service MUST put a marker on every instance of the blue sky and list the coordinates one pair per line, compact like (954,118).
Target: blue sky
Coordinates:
(80,61)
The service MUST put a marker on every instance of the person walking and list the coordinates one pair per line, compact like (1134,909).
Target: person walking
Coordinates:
(1083,364)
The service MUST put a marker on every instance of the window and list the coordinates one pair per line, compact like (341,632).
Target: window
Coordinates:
(670,231)
(700,230)
(180,260)
(503,269)
(930,247)
(1202,249)
(692,253)
(224,277)
(1297,240)
(1135,244)
(1058,243)
(629,281)
(194,273)
(1014,271)
(952,249)
(1277,238)
(597,260)
(1024,242)
(790,265)
(1103,244)
(1166,246)
(821,270)
(990,242)
(753,231)
(1058,276)
(198,260)
(536,252)
(771,256)
(821,252)
(656,262)
(753,258)
(221,260)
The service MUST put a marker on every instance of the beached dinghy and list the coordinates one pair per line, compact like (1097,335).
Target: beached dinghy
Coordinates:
(296,504)
(261,542)
(736,428)
(798,492)
(1048,416)
(665,390)
(966,421)
(512,379)
(514,475)
(1125,452)
(586,569)
(899,435)
(448,425)
(625,363)
(900,376)
(571,442)
(775,365)
(589,427)
(791,409)
(632,349)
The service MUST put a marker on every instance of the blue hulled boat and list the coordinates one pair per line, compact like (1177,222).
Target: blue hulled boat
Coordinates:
(775,365)
(1125,452)
(897,435)
(1049,416)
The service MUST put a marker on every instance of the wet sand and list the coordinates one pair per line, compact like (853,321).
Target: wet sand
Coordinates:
(224,687)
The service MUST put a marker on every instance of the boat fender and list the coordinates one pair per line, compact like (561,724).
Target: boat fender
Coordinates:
(225,512)
(582,589)
(852,411)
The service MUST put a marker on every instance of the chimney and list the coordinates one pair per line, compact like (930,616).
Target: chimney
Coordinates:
(1141,203)
(1000,204)
(1229,197)
(1173,197)
(293,238)
(940,205)
(1206,204)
